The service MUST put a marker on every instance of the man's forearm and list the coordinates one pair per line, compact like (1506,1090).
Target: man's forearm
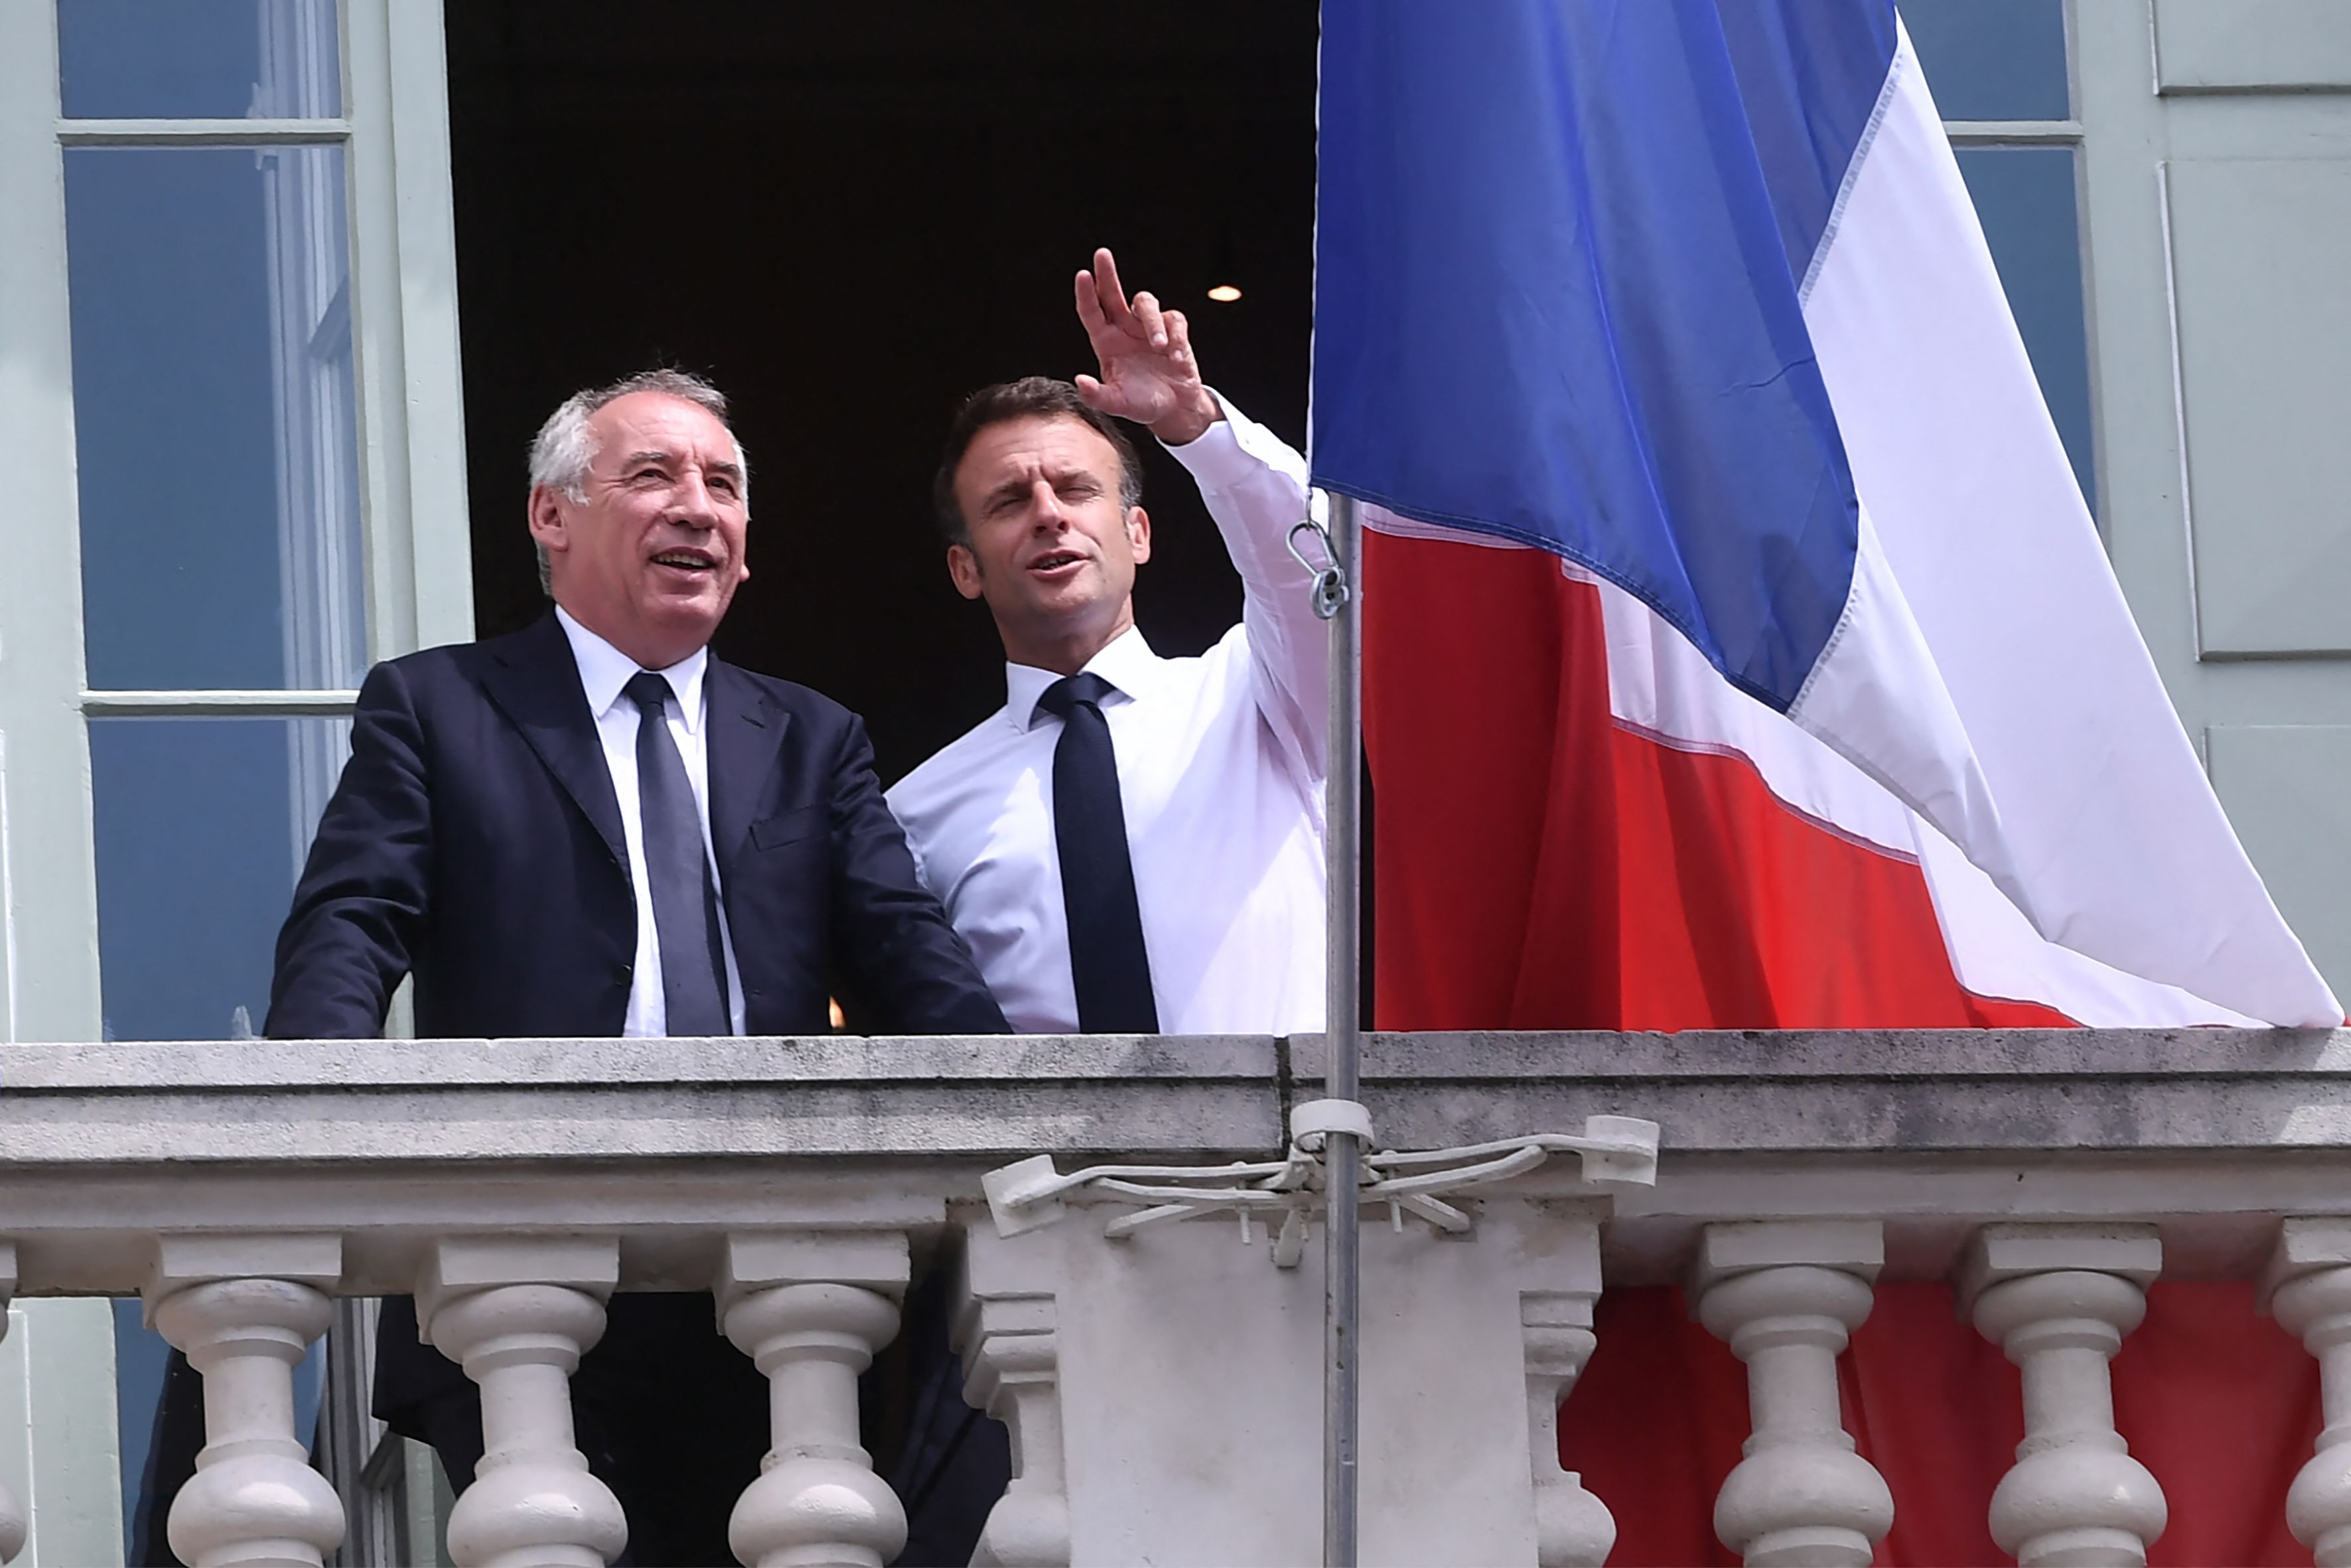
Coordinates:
(1254,486)
(345,944)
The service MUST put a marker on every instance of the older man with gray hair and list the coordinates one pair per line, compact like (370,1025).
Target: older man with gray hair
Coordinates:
(593,827)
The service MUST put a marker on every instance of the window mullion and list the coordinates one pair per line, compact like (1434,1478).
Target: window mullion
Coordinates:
(404,329)
(52,917)
(270,702)
(201,132)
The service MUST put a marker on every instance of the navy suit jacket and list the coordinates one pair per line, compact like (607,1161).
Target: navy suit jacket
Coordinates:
(474,843)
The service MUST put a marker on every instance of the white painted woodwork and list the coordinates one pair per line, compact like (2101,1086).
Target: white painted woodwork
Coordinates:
(57,1437)
(2216,46)
(811,1310)
(2282,785)
(1573,1529)
(12,1522)
(2058,1299)
(243,1309)
(518,1312)
(1786,1297)
(1012,1371)
(2215,302)
(2308,1288)
(2264,317)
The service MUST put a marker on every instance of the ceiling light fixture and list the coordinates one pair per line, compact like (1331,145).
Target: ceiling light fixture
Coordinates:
(1224,293)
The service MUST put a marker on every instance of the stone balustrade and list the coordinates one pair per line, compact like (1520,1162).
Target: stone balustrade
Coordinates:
(512,1186)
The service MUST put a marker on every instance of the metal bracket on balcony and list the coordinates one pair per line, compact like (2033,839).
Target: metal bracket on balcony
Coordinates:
(1616,1151)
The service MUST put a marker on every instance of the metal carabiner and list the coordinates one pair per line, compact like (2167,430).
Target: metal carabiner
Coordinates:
(1329,590)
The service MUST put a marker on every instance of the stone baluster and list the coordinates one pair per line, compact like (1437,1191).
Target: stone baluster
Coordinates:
(243,1309)
(1013,1367)
(12,1522)
(2308,1287)
(1786,1296)
(811,1308)
(518,1312)
(1572,1528)
(2058,1299)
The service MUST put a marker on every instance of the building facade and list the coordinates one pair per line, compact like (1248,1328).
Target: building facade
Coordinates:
(231,365)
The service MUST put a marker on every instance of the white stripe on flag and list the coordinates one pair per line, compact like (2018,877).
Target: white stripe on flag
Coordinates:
(2096,813)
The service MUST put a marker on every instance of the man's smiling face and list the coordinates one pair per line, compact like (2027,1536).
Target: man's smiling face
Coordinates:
(1052,549)
(651,558)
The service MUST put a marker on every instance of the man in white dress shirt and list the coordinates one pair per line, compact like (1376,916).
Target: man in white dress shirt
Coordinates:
(1219,760)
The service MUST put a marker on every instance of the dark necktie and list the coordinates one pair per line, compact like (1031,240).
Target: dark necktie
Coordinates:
(1106,954)
(677,871)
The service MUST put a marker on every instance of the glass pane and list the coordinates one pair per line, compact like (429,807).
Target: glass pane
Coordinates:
(145,60)
(1992,59)
(139,1358)
(213,416)
(2025,198)
(201,825)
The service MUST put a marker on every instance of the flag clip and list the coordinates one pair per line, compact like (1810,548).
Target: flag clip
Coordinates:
(1329,590)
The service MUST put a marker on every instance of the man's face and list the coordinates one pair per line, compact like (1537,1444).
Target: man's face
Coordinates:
(652,558)
(1052,551)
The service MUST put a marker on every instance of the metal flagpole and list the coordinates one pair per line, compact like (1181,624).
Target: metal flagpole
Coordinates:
(1343,1034)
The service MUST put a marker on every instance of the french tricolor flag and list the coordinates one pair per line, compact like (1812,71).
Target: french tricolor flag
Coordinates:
(1740,650)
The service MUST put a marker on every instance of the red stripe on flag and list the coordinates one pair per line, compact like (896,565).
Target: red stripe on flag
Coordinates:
(1541,866)
(2222,1406)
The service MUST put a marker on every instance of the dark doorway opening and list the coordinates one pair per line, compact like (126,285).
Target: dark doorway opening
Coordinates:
(850,217)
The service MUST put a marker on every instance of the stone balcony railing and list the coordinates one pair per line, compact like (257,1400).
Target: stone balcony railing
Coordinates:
(240,1187)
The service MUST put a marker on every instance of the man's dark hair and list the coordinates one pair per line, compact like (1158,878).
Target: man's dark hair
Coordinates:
(1030,396)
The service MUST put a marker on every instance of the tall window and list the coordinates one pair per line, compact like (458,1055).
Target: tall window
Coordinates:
(228,371)
(208,245)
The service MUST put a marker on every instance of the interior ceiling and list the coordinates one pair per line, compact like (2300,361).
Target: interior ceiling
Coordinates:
(852,215)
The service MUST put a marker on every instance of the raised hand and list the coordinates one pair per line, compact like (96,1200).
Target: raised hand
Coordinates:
(1148,373)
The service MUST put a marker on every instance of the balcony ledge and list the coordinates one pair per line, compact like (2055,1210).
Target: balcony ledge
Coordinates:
(2214,1134)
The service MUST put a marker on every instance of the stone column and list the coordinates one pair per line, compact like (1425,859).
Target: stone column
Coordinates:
(1572,1528)
(1786,1296)
(2308,1287)
(12,1522)
(244,1309)
(811,1308)
(2058,1299)
(1012,1360)
(518,1312)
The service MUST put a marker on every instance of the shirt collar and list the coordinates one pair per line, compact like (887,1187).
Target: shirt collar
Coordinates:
(1127,663)
(604,670)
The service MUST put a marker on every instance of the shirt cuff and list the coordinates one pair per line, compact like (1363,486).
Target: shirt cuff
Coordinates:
(1228,452)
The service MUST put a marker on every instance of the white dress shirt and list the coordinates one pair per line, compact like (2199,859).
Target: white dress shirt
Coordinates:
(1220,764)
(604,670)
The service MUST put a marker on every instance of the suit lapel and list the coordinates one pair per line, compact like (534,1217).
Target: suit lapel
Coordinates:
(746,732)
(534,682)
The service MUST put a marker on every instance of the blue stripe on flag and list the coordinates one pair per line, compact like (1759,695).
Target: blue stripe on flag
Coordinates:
(1558,247)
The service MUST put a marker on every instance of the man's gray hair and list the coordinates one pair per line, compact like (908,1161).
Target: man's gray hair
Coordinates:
(565,447)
